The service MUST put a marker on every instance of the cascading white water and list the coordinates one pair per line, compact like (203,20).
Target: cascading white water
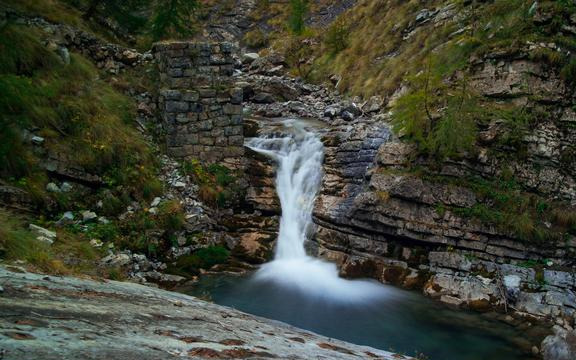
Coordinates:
(299,157)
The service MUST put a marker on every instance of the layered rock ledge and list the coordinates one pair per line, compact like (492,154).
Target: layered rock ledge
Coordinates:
(47,317)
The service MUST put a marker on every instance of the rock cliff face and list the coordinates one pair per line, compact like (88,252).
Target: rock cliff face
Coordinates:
(387,212)
(377,219)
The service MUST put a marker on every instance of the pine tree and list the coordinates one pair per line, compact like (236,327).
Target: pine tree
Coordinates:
(298,10)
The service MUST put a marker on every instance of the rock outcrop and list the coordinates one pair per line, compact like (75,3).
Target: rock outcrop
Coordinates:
(46,317)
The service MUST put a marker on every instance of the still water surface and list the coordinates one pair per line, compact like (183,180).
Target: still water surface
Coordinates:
(402,321)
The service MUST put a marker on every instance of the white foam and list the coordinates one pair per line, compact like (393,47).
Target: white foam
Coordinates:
(299,157)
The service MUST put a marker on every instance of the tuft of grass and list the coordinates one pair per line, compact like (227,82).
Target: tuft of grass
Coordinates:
(216,182)
(171,216)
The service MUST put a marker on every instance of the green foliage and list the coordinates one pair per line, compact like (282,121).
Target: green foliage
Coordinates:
(70,253)
(440,120)
(202,259)
(504,204)
(75,111)
(217,182)
(298,10)
(174,18)
(336,38)
(171,216)
(123,12)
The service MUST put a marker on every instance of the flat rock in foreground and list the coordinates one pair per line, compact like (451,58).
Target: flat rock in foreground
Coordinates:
(47,317)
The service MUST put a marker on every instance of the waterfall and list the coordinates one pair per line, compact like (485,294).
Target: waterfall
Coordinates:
(299,156)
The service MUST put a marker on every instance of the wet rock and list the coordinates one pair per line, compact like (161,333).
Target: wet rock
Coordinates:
(156,324)
(512,286)
(331,112)
(351,108)
(166,280)
(559,346)
(560,278)
(347,116)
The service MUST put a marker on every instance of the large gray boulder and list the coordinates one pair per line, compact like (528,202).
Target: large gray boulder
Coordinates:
(55,318)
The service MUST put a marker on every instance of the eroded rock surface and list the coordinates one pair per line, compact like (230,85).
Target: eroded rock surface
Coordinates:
(47,317)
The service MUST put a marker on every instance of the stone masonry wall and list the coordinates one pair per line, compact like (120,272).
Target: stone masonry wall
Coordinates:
(200,107)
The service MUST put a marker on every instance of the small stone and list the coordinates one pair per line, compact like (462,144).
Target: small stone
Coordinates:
(347,116)
(276,71)
(37,140)
(153,210)
(96,243)
(330,112)
(179,184)
(263,98)
(43,234)
(88,216)
(156,202)
(66,187)
(67,218)
(249,58)
(103,220)
(116,260)
(535,350)
(64,55)
(52,187)
(45,240)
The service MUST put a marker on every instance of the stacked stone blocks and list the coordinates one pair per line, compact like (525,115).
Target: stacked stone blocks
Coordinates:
(200,107)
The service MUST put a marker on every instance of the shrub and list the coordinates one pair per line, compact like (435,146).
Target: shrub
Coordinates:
(171,216)
(336,38)
(202,259)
